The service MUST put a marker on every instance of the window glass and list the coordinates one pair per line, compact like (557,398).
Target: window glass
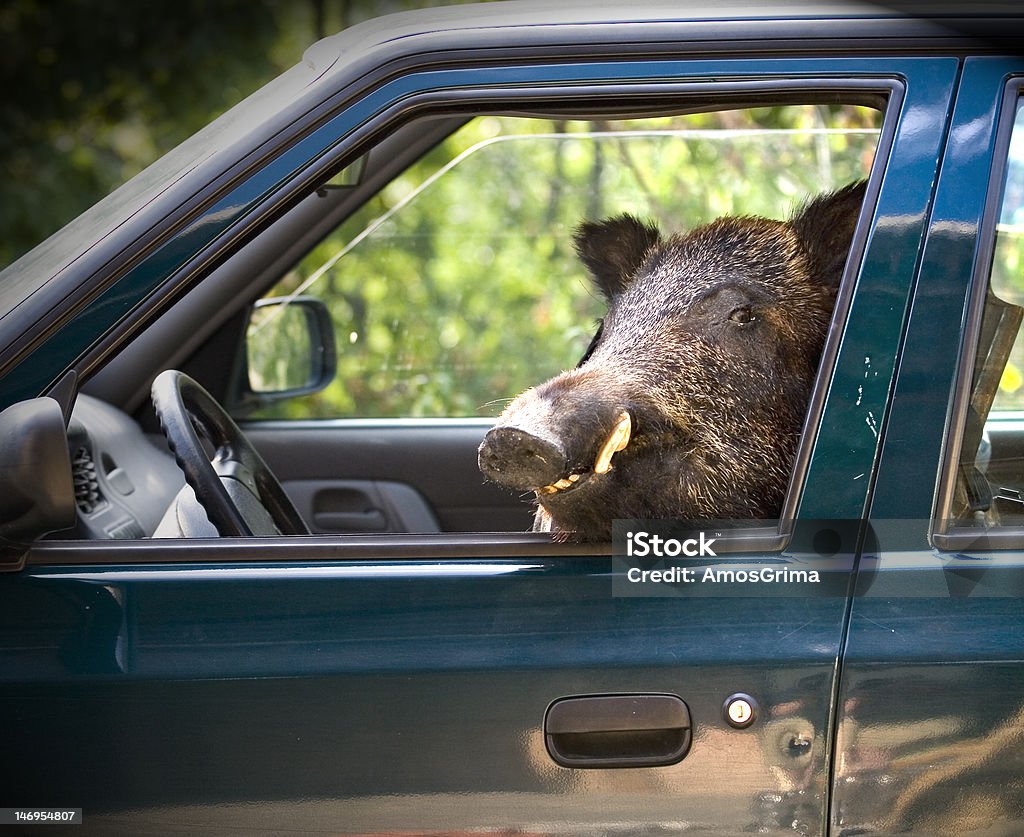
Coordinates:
(1007,279)
(990,485)
(457,287)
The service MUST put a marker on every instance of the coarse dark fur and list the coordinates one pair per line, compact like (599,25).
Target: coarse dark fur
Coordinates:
(711,343)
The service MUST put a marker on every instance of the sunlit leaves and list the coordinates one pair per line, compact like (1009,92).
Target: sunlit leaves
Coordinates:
(467,289)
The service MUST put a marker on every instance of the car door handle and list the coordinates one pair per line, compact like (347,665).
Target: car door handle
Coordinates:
(343,506)
(371,520)
(634,730)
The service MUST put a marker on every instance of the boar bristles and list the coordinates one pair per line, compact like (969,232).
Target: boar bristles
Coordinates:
(825,227)
(711,346)
(613,249)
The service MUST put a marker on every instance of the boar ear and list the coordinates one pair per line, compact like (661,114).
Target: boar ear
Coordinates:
(613,249)
(825,226)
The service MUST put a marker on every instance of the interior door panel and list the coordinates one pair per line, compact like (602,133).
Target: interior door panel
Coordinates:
(423,477)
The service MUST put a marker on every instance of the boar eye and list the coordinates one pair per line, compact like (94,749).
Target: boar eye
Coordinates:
(742,315)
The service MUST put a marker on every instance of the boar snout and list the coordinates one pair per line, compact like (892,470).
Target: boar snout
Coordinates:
(518,459)
(549,462)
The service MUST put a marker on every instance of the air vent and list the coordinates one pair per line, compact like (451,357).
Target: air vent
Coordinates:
(87,486)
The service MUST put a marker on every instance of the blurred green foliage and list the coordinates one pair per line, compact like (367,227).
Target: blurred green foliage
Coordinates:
(457,286)
(96,90)
(1008,284)
(1007,274)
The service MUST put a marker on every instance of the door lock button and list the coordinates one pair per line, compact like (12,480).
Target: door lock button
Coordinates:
(740,710)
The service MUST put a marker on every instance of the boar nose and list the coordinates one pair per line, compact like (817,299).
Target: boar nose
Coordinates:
(518,459)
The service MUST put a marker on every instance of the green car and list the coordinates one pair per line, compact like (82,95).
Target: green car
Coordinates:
(252,580)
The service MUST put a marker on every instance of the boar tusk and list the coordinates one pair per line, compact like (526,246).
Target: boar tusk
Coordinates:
(561,485)
(616,441)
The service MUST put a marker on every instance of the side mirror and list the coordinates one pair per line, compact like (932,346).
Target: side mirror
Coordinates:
(289,351)
(37,494)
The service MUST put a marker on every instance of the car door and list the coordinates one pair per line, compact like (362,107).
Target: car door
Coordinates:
(452,683)
(931,697)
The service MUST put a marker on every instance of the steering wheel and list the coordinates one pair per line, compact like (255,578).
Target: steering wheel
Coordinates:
(237,489)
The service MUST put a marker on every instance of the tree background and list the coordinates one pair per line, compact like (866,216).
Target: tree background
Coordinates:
(96,90)
(457,286)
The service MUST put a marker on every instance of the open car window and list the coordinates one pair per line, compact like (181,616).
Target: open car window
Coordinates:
(456,287)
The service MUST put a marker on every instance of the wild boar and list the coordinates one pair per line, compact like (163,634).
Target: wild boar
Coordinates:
(690,401)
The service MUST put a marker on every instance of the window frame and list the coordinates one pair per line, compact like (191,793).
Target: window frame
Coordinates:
(779,87)
(944,534)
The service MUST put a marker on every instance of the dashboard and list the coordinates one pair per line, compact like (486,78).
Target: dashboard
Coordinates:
(124,480)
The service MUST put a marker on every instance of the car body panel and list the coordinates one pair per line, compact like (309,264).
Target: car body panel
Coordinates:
(941,629)
(424,685)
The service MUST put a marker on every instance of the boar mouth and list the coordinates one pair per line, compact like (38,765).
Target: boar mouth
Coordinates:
(616,441)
